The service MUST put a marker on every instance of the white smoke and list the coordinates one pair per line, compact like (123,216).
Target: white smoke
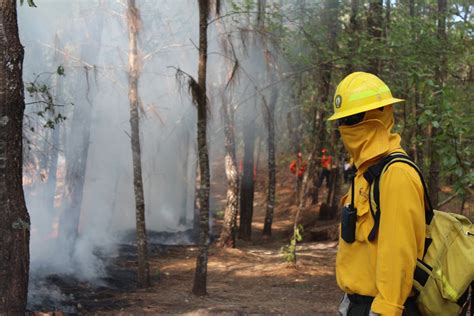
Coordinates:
(167,41)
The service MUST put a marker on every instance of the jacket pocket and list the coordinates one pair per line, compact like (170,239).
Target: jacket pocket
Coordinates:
(364,219)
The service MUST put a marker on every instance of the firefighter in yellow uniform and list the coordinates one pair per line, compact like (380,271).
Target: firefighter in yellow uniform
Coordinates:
(377,274)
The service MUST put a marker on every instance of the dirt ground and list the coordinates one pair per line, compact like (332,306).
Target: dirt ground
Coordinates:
(251,279)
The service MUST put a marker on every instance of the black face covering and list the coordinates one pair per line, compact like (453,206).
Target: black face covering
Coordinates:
(351,120)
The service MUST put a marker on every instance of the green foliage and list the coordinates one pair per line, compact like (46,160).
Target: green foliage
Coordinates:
(60,70)
(289,251)
(410,55)
(31,3)
(312,35)
(46,106)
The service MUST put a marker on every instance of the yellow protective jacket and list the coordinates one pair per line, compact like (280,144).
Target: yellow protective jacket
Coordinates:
(384,267)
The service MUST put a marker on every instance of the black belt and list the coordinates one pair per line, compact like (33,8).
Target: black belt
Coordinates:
(362,299)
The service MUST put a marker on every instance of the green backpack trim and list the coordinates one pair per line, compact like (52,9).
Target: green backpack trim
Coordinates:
(423,272)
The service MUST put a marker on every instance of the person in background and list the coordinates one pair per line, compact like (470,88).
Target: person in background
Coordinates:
(326,163)
(298,167)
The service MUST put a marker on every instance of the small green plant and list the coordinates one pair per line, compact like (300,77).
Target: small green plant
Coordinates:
(219,214)
(289,251)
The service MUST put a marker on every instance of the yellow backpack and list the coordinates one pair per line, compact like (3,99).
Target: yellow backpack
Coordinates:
(443,277)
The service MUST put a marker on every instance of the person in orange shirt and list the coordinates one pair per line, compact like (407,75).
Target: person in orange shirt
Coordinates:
(298,165)
(326,162)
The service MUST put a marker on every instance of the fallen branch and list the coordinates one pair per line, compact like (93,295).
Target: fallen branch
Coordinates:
(449,199)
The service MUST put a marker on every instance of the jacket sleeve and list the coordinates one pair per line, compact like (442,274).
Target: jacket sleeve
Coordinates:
(401,237)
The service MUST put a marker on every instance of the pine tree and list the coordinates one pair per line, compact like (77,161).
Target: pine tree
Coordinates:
(15,223)
(133,19)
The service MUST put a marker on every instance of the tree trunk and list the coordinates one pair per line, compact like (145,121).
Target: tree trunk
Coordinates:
(294,128)
(319,134)
(261,13)
(417,131)
(247,185)
(184,177)
(200,275)
(388,11)
(353,38)
(197,204)
(411,8)
(76,163)
(267,227)
(333,201)
(15,223)
(77,150)
(133,19)
(324,87)
(440,75)
(229,229)
(334,171)
(257,158)
(295,122)
(374,23)
(420,132)
(298,131)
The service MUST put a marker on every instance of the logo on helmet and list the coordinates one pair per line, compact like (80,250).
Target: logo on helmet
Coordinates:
(338,101)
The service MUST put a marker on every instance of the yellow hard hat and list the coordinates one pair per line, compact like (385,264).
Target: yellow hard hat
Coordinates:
(360,92)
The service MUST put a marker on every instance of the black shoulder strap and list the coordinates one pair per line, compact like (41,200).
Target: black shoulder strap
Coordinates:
(373,174)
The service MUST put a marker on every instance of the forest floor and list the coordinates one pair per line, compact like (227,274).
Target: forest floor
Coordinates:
(250,279)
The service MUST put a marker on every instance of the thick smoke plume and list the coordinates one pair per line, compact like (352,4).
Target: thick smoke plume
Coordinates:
(88,39)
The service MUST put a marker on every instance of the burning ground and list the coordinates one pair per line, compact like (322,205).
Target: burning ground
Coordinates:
(253,278)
